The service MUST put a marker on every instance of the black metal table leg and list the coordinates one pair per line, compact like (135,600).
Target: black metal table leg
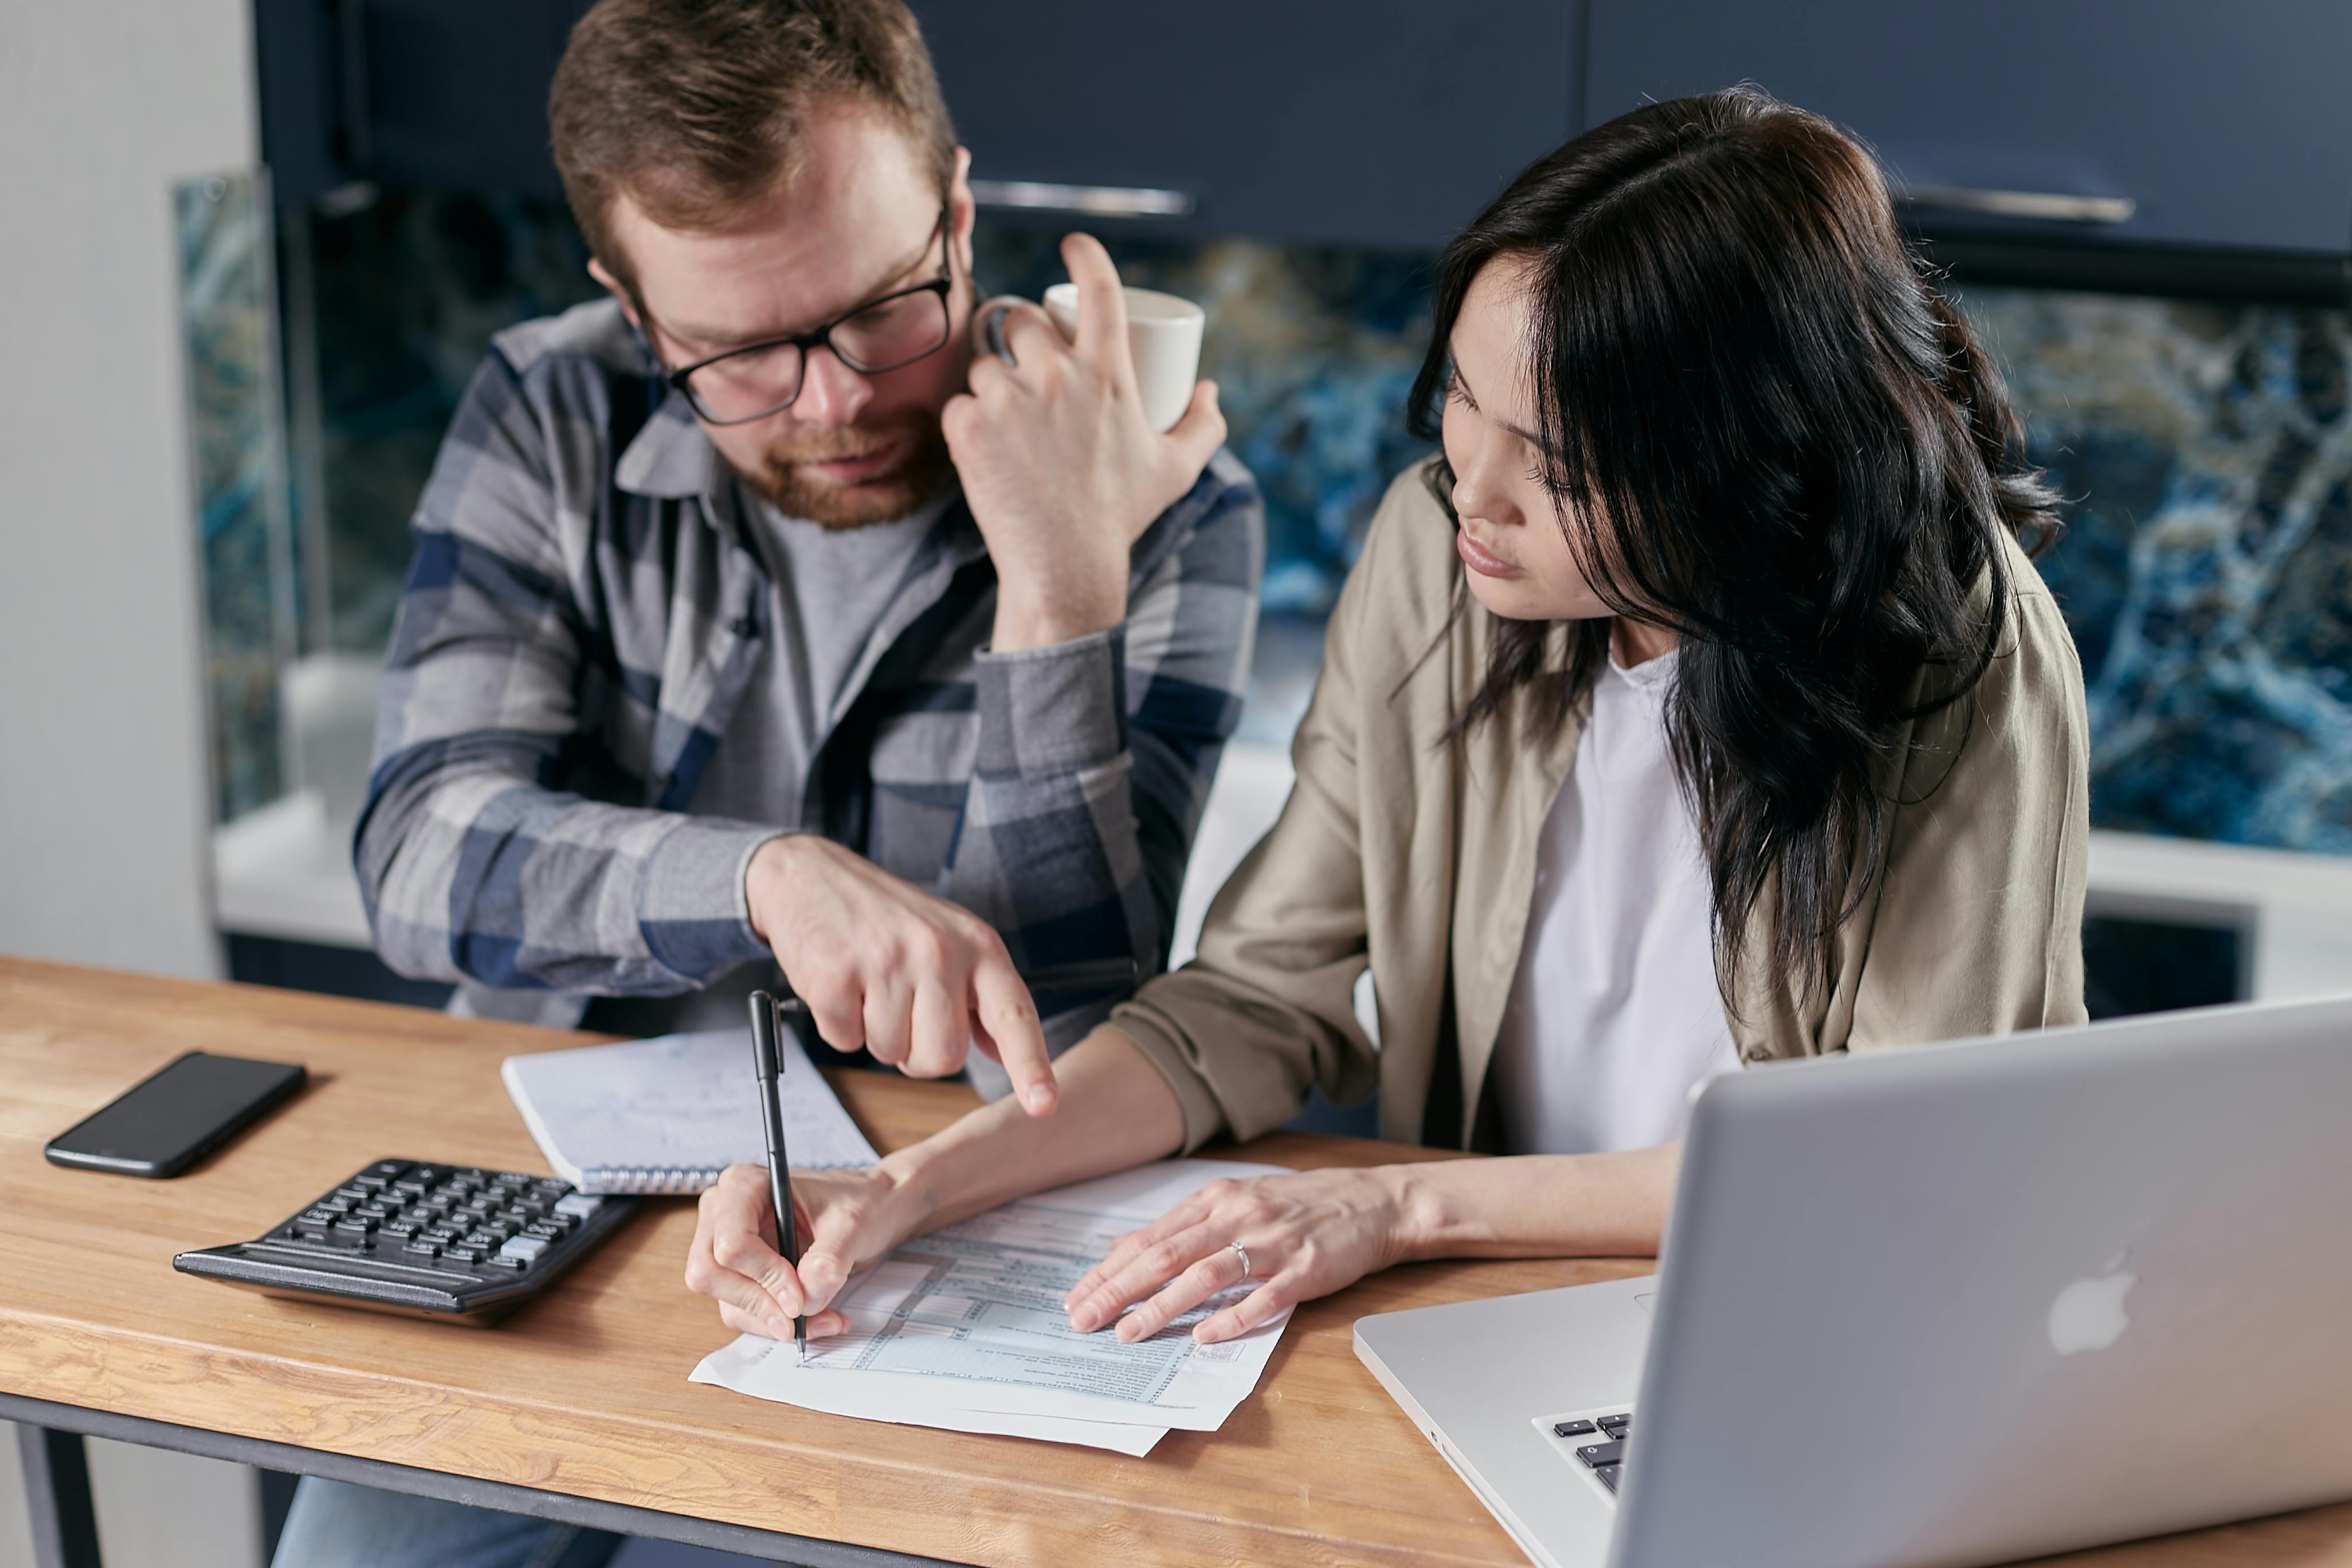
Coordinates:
(56,1493)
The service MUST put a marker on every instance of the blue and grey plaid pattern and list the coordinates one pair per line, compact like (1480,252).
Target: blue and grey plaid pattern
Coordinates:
(580,621)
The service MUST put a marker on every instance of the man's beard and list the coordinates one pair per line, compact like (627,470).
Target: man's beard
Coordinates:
(783,482)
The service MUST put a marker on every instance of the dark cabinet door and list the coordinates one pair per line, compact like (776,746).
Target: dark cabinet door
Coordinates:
(1385,123)
(2211,121)
(445,93)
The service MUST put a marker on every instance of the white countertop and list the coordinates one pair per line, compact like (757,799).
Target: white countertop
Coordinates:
(280,872)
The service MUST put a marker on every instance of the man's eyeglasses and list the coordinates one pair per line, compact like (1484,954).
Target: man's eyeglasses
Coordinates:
(756,380)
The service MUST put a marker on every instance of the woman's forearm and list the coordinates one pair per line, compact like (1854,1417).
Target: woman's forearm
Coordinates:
(1115,1112)
(1537,1205)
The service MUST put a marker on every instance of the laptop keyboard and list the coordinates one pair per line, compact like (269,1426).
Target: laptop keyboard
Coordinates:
(1599,1443)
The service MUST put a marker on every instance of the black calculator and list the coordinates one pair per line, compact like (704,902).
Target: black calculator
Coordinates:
(451,1242)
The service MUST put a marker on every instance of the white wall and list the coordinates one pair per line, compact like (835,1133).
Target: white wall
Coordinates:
(103,801)
(104,821)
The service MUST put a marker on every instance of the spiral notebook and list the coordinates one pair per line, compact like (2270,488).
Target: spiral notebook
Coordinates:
(667,1115)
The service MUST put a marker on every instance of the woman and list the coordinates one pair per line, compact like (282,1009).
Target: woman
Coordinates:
(1698,706)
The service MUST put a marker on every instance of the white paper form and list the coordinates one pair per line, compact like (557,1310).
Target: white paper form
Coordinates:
(965,1328)
(668,1115)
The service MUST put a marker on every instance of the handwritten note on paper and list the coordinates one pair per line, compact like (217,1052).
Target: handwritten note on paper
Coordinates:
(668,1115)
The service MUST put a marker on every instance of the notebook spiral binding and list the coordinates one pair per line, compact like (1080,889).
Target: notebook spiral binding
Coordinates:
(638,1179)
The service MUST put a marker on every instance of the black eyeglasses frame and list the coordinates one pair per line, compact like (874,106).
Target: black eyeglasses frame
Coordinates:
(822,336)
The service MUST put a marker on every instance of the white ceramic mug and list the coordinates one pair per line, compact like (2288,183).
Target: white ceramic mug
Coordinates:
(1163,338)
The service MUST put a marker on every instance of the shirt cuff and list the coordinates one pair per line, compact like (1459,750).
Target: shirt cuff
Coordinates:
(1052,710)
(692,909)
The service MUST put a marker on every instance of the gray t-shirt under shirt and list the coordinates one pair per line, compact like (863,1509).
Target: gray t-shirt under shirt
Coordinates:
(830,589)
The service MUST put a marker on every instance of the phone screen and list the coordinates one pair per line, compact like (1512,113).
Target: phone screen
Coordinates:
(166,1123)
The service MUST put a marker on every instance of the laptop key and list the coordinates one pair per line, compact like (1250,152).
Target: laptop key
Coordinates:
(1573,1429)
(1599,1454)
(1607,1476)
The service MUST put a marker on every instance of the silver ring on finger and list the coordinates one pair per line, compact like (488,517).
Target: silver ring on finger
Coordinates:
(1243,1253)
(992,328)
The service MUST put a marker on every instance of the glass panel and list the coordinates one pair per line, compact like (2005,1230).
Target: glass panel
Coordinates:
(237,444)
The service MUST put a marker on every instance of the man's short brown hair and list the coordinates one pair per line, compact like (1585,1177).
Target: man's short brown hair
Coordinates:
(694,108)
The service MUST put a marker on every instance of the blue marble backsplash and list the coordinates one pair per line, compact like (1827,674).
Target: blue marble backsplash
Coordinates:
(2207,570)
(2205,451)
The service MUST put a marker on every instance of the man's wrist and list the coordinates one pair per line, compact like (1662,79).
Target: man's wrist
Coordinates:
(1026,623)
(765,876)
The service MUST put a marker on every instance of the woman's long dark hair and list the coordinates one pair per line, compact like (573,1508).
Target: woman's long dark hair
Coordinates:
(1804,462)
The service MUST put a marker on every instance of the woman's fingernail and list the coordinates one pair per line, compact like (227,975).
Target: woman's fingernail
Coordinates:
(780,1326)
(1086,1320)
(1039,1097)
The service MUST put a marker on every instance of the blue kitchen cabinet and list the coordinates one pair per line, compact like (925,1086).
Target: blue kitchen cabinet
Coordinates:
(2182,123)
(1379,122)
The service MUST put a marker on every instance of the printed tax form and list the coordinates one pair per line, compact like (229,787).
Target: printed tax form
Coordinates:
(965,1329)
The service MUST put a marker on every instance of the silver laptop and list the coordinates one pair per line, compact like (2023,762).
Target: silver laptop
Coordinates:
(1955,1305)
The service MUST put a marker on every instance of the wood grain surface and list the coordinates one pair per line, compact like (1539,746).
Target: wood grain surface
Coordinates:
(584,1391)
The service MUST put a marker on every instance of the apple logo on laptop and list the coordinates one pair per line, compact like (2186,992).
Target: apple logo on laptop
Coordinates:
(2089,1314)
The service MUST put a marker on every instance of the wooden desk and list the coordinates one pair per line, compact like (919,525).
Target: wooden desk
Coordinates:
(578,1408)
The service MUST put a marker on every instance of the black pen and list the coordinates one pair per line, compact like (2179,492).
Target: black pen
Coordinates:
(767,1014)
(768,1065)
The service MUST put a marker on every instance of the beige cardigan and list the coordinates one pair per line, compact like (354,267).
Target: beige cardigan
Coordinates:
(1418,858)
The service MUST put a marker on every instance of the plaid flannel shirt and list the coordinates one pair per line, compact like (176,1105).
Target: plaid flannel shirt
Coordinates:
(581,618)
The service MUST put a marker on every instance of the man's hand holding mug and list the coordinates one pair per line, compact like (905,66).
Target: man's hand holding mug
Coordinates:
(1058,455)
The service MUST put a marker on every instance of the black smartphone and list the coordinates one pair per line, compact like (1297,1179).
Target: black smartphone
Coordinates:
(168,1121)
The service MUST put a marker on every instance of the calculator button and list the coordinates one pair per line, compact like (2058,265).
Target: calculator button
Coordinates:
(462,1254)
(354,1224)
(376,1212)
(334,1205)
(354,1194)
(579,1205)
(411,1188)
(485,1239)
(523,1248)
(423,1248)
(550,1189)
(404,1226)
(446,1234)
(548,1229)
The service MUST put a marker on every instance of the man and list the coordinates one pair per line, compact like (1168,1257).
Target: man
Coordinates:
(802,640)
(754,624)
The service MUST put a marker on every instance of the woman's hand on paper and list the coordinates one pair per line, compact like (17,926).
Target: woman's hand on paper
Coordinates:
(849,1216)
(914,979)
(1307,1233)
